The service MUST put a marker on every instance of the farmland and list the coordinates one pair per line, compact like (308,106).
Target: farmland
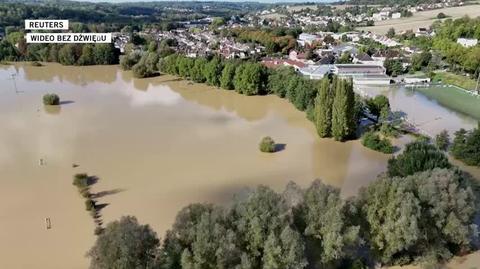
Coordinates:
(422,19)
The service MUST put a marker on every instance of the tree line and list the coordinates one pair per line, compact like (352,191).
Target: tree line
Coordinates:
(330,103)
(15,48)
(460,58)
(412,214)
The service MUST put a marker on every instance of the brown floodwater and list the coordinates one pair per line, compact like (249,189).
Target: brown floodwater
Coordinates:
(156,145)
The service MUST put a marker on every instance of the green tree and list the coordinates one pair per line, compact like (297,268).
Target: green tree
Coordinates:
(376,104)
(393,67)
(328,221)
(466,146)
(343,110)
(373,141)
(425,217)
(442,140)
(66,55)
(213,71)
(418,156)
(250,79)
(124,244)
(197,72)
(106,54)
(228,74)
(87,57)
(323,109)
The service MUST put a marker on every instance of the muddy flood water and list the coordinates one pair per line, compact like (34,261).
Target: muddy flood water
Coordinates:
(156,145)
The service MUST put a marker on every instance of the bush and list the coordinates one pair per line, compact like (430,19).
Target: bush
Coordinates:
(90,205)
(51,99)
(441,15)
(418,156)
(267,145)
(373,141)
(81,181)
(442,140)
(466,146)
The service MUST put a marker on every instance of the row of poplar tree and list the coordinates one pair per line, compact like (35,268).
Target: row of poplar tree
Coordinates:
(330,103)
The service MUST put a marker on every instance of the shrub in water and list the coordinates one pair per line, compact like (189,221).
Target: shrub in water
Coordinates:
(90,205)
(373,141)
(267,144)
(51,99)
(81,181)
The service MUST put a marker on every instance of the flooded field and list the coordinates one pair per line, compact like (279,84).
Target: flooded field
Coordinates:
(426,114)
(156,145)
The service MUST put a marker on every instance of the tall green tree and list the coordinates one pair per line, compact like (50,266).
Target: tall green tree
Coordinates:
(213,71)
(323,108)
(343,110)
(228,75)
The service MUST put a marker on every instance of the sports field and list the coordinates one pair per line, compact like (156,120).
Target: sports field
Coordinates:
(454,98)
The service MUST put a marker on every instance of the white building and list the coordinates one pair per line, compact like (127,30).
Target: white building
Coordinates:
(467,42)
(307,39)
(396,15)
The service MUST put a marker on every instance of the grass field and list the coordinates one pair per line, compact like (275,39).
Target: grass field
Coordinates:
(454,79)
(422,19)
(454,99)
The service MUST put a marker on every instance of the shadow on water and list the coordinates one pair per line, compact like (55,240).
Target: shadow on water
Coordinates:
(106,193)
(66,102)
(280,147)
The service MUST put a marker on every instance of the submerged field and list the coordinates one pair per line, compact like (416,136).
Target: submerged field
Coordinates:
(454,98)
(156,145)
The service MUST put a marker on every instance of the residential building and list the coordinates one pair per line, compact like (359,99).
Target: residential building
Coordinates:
(467,42)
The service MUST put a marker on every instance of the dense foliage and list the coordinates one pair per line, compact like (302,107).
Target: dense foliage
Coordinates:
(51,99)
(466,146)
(267,144)
(425,217)
(124,244)
(16,49)
(459,57)
(442,140)
(373,141)
(418,156)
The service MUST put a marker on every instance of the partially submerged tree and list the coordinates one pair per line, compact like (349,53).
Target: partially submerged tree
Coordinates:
(51,99)
(124,244)
(418,156)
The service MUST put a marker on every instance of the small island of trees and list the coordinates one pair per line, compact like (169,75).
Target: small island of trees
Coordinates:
(267,144)
(51,99)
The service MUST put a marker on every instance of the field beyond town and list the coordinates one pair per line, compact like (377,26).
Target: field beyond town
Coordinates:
(422,19)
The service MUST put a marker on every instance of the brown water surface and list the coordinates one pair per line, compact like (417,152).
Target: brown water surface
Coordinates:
(156,144)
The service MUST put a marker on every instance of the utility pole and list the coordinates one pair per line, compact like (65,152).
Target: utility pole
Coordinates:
(14,83)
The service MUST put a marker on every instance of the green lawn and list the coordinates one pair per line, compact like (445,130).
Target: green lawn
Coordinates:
(454,99)
(454,79)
